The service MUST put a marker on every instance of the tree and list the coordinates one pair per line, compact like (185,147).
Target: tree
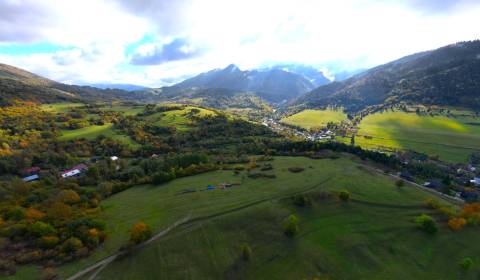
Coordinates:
(426,223)
(68,196)
(72,245)
(162,177)
(42,229)
(344,195)
(456,224)
(399,183)
(140,232)
(466,264)
(290,226)
(59,211)
(246,252)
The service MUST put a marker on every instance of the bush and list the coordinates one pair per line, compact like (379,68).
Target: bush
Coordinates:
(71,245)
(47,242)
(466,264)
(246,252)
(162,177)
(426,223)
(399,183)
(290,227)
(301,200)
(456,224)
(140,232)
(41,229)
(344,195)
(296,169)
(49,273)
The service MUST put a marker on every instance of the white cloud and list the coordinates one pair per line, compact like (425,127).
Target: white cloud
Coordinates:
(346,34)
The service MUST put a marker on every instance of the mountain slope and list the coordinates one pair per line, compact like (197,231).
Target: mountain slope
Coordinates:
(273,85)
(448,76)
(315,76)
(18,84)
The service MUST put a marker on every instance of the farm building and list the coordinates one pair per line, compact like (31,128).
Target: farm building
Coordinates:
(31,170)
(476,182)
(434,184)
(70,173)
(74,171)
(31,178)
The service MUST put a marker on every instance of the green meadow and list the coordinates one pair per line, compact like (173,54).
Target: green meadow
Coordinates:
(371,237)
(309,119)
(180,119)
(450,138)
(93,131)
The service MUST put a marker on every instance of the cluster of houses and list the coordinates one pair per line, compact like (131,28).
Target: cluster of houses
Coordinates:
(33,173)
(311,136)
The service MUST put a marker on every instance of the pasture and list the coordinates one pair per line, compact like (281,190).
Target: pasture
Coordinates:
(180,119)
(451,138)
(372,236)
(310,119)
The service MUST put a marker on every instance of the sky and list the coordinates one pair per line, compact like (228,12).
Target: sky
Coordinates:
(160,42)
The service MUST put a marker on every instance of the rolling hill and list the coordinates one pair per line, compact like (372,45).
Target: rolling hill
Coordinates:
(18,84)
(448,76)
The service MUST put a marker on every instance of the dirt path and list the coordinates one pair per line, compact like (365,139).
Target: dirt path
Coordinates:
(103,263)
(450,199)
(99,266)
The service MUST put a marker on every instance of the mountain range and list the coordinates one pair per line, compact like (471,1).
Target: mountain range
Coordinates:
(448,76)
(274,85)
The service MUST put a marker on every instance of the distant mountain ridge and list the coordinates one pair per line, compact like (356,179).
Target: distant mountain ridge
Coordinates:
(127,87)
(19,85)
(273,85)
(315,76)
(448,76)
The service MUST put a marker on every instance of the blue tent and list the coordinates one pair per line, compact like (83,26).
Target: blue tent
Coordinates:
(210,187)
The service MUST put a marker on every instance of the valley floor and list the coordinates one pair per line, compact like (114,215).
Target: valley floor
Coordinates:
(371,237)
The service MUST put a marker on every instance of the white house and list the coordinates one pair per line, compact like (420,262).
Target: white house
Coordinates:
(114,158)
(476,182)
(70,173)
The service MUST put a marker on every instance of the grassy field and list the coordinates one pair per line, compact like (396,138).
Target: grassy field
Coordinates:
(180,119)
(61,107)
(372,237)
(452,139)
(92,132)
(309,119)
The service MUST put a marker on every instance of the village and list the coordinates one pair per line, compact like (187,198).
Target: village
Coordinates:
(33,173)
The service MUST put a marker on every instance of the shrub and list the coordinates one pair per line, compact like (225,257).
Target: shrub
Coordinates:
(41,229)
(426,223)
(301,200)
(71,245)
(47,242)
(344,195)
(34,214)
(68,196)
(16,213)
(399,183)
(246,252)
(162,177)
(296,169)
(49,273)
(290,226)
(457,224)
(140,232)
(466,263)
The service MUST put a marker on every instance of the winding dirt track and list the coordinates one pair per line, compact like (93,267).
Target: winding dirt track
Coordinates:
(103,263)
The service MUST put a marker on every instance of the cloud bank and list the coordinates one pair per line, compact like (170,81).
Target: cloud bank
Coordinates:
(159,42)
